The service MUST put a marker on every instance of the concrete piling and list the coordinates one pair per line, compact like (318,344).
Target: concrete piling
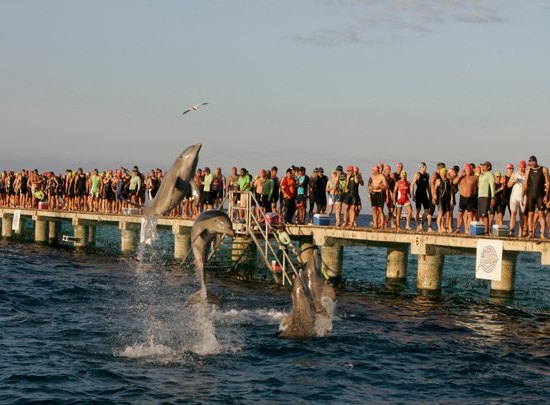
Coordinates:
(128,231)
(430,270)
(7,231)
(53,231)
(331,257)
(182,241)
(396,264)
(40,230)
(505,287)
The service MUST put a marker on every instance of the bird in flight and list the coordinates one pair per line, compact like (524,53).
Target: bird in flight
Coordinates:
(193,108)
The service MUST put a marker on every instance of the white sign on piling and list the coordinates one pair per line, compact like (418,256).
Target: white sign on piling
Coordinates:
(489,259)
(16,220)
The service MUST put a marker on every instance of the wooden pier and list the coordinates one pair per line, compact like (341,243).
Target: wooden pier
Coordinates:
(430,248)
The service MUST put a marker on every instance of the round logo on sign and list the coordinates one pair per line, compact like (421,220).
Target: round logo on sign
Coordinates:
(489,259)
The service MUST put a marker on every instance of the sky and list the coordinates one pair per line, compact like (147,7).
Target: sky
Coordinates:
(312,82)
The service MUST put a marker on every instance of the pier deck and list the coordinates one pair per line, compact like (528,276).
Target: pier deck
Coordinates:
(430,247)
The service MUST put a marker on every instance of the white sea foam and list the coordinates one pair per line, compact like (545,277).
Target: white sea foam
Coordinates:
(269,314)
(202,323)
(141,350)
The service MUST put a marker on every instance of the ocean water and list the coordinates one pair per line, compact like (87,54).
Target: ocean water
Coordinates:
(103,328)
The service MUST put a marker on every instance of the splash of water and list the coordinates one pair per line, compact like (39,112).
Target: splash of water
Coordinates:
(148,232)
(168,329)
(324,324)
(202,324)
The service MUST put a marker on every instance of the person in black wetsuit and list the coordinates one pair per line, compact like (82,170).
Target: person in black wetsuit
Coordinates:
(321,192)
(421,196)
(80,190)
(443,199)
(536,189)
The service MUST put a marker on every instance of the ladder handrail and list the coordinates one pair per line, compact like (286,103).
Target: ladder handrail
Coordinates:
(269,230)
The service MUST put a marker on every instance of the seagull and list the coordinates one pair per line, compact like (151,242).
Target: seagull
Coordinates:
(193,108)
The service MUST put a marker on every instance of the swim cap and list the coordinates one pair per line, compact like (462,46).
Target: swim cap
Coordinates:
(349,168)
(497,174)
(522,164)
(510,166)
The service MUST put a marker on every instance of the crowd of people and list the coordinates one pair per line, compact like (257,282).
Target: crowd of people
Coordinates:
(396,198)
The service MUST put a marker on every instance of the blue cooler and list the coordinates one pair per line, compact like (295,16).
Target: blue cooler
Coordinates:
(477,228)
(321,219)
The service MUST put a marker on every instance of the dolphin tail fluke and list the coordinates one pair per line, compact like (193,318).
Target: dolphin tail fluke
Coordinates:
(197,298)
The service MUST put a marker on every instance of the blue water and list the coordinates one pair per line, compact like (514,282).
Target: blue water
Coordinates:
(100,328)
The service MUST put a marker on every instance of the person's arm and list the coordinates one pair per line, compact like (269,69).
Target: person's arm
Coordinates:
(547,181)
(526,182)
(384,183)
(413,182)
(512,180)
(434,189)
(492,187)
(457,179)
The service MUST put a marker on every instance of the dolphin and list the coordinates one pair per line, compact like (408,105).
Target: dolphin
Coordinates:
(176,184)
(300,322)
(313,304)
(318,289)
(208,229)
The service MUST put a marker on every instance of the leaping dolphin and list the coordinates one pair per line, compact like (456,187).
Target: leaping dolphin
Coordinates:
(209,228)
(319,290)
(300,322)
(176,184)
(312,304)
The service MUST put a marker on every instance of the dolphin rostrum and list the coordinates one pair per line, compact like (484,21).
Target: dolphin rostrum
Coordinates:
(176,184)
(313,303)
(208,229)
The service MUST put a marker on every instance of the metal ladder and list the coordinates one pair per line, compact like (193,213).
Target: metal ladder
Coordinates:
(265,236)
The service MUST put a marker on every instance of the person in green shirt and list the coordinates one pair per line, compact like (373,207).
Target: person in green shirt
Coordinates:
(267,192)
(485,194)
(95,183)
(244,181)
(207,189)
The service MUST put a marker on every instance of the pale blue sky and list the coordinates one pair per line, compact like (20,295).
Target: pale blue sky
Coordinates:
(315,82)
